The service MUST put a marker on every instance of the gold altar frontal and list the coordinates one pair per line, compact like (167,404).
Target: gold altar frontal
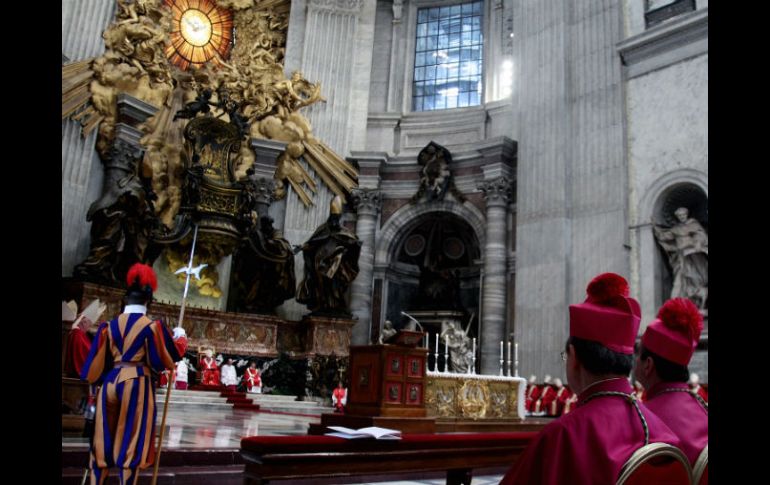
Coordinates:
(472,402)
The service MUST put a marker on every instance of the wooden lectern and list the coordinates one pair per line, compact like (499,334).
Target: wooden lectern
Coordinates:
(387,388)
(388,379)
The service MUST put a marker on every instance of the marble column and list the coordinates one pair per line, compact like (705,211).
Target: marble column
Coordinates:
(497,194)
(368,203)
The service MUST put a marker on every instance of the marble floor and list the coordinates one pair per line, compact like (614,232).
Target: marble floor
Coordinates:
(219,429)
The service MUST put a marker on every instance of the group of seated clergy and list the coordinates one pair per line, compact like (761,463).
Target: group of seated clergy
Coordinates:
(553,398)
(606,422)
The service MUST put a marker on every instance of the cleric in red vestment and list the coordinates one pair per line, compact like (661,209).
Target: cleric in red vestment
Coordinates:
(209,369)
(591,444)
(666,350)
(533,393)
(339,398)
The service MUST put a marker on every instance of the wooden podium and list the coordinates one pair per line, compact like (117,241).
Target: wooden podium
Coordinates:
(387,387)
(387,380)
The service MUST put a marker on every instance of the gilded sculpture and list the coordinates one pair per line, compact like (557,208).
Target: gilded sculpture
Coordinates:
(248,89)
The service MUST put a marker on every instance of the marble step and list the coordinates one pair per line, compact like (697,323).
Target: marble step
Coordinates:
(182,406)
(315,411)
(270,397)
(192,399)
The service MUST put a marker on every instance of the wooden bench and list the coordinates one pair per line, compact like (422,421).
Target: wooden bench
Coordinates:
(303,457)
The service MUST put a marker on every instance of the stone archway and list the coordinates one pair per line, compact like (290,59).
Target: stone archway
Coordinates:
(396,276)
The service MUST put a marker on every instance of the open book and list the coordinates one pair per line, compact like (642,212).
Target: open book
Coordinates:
(371,432)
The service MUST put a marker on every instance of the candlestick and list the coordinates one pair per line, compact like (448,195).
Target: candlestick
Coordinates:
(516,360)
(446,355)
(472,367)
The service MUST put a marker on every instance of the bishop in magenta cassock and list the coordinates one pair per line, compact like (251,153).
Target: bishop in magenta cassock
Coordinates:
(591,444)
(667,347)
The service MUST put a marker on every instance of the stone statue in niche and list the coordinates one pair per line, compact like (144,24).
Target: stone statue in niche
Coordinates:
(686,245)
(331,264)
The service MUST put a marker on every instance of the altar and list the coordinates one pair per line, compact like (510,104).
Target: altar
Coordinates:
(474,397)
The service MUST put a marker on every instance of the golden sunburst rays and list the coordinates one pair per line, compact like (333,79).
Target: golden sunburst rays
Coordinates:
(335,172)
(200,32)
(275,6)
(76,78)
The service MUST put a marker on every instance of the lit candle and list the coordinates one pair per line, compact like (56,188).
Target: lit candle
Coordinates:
(501,350)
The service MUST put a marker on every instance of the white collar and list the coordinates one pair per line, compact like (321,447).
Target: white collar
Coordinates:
(135,309)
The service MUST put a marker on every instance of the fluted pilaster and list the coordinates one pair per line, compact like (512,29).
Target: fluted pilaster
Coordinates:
(82,24)
(572,178)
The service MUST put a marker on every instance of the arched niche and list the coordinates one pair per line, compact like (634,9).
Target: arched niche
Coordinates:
(399,259)
(682,188)
(695,200)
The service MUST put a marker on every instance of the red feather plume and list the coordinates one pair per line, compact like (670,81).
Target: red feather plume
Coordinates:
(682,315)
(607,286)
(143,275)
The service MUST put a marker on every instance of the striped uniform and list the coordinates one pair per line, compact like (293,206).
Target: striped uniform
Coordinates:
(121,355)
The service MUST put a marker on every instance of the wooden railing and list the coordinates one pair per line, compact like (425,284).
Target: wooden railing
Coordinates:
(305,457)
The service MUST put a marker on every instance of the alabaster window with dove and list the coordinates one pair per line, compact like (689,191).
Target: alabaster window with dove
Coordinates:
(200,32)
